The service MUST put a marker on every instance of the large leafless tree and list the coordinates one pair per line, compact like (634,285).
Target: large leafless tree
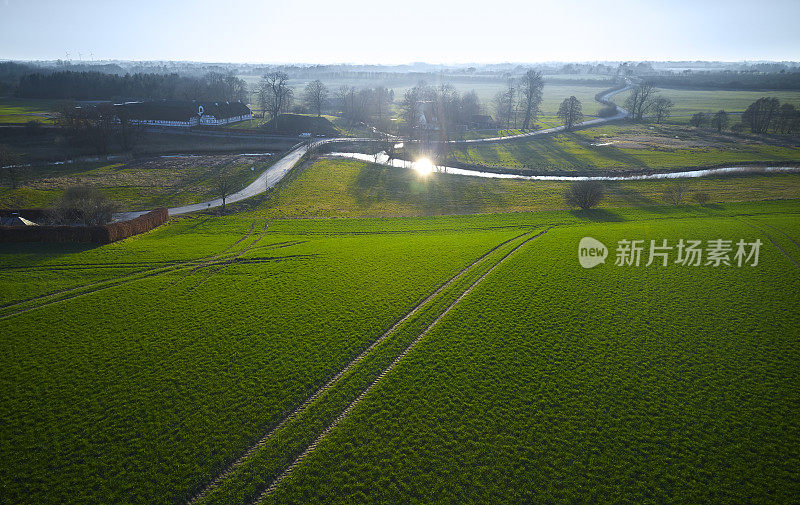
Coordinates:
(759,115)
(570,112)
(531,87)
(314,96)
(720,120)
(10,166)
(662,107)
(640,101)
(275,93)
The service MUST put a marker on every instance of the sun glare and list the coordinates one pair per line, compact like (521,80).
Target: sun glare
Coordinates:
(423,166)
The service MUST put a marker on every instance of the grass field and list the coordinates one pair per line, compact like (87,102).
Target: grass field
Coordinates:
(137,184)
(363,334)
(629,147)
(159,400)
(349,188)
(689,101)
(20,111)
(550,384)
(213,329)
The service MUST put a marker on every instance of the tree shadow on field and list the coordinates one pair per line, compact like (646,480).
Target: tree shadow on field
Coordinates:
(598,215)
(629,195)
(34,253)
(438,193)
(544,153)
(609,152)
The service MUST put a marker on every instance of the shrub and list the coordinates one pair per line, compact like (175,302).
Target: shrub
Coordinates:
(698,119)
(674,192)
(84,205)
(608,110)
(584,194)
(701,197)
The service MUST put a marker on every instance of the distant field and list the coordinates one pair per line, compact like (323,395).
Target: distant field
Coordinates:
(349,188)
(20,111)
(627,147)
(689,101)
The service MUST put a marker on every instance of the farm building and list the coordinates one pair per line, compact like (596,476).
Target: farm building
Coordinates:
(185,113)
(15,220)
(481,122)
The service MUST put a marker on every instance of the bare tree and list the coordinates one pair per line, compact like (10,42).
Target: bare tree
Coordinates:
(502,107)
(411,108)
(277,93)
(760,114)
(512,102)
(224,185)
(640,101)
(383,97)
(698,119)
(92,125)
(128,132)
(470,106)
(448,104)
(84,205)
(570,112)
(675,192)
(584,194)
(720,120)
(531,89)
(9,164)
(314,96)
(788,119)
(662,107)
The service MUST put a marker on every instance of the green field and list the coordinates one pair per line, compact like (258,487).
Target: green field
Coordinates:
(20,111)
(364,334)
(348,188)
(213,329)
(629,147)
(550,384)
(690,101)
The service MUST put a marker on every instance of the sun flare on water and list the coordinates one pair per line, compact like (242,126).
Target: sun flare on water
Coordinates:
(423,166)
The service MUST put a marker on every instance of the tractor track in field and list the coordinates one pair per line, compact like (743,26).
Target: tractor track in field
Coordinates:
(227,261)
(216,481)
(783,233)
(274,484)
(781,249)
(94,287)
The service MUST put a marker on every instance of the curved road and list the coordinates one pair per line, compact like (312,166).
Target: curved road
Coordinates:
(271,176)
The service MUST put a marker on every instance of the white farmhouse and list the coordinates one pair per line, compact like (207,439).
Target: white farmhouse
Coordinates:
(184,113)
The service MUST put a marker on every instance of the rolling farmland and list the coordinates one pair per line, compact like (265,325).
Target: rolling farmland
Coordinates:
(229,346)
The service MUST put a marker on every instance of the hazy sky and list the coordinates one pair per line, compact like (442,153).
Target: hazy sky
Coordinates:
(375,31)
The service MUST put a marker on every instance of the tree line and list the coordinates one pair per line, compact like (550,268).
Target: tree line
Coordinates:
(728,80)
(441,107)
(71,85)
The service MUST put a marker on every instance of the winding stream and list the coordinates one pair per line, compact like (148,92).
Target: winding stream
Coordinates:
(383,159)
